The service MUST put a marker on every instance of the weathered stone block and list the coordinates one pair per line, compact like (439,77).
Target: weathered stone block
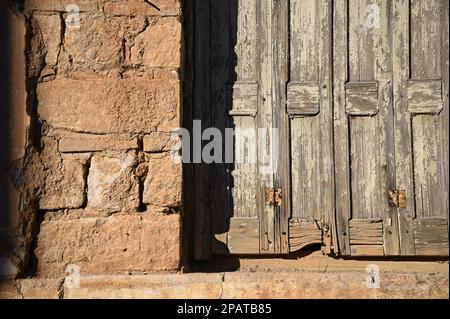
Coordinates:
(38,288)
(61,5)
(159,142)
(102,105)
(111,184)
(99,43)
(154,286)
(113,245)
(64,179)
(8,289)
(136,7)
(163,185)
(77,143)
(50,29)
(159,45)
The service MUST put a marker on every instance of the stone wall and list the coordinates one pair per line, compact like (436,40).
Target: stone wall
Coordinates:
(104,98)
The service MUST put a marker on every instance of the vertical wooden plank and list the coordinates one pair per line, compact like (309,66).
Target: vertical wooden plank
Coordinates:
(367,188)
(444,124)
(202,223)
(326,69)
(428,192)
(247,194)
(342,167)
(265,122)
(188,87)
(220,77)
(384,60)
(364,162)
(245,176)
(403,151)
(280,42)
(429,27)
(426,24)
(361,42)
(312,136)
(369,133)
(246,47)
(305,35)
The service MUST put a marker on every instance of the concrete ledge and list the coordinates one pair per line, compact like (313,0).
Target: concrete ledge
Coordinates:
(164,286)
(276,285)
(40,288)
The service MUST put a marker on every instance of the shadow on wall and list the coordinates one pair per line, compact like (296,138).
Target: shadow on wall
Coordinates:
(213,24)
(12,125)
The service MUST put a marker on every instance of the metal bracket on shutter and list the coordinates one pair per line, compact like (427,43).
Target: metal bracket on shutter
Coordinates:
(274,197)
(397,198)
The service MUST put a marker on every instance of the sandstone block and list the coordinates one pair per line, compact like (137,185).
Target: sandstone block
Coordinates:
(154,286)
(8,289)
(38,288)
(134,105)
(112,245)
(159,45)
(163,185)
(79,143)
(60,5)
(95,45)
(50,29)
(136,7)
(64,179)
(332,285)
(159,142)
(111,185)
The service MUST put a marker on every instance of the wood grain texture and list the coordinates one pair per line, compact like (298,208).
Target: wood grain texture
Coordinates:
(342,146)
(303,98)
(425,97)
(431,237)
(366,232)
(303,233)
(402,120)
(282,176)
(310,108)
(377,123)
(361,98)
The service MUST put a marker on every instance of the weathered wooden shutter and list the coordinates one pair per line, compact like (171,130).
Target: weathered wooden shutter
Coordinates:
(391,135)
(358,91)
(364,128)
(309,96)
(421,80)
(249,90)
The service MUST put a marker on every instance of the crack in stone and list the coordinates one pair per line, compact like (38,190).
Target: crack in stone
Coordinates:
(152,5)
(222,281)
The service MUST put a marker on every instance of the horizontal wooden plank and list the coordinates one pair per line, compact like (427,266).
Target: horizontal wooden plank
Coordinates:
(425,96)
(245,99)
(303,233)
(366,232)
(303,98)
(431,237)
(361,98)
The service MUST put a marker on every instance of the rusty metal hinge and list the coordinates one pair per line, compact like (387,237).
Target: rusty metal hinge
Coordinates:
(397,198)
(274,197)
